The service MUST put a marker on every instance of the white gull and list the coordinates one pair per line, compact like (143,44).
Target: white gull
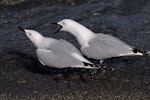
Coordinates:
(57,53)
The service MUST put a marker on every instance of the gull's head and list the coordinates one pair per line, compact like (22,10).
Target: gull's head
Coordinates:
(71,26)
(82,33)
(67,25)
(33,35)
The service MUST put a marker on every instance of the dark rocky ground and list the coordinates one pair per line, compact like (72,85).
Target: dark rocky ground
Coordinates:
(23,77)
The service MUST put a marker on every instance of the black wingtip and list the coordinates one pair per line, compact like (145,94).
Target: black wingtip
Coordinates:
(92,65)
(87,64)
(21,29)
(143,52)
(136,51)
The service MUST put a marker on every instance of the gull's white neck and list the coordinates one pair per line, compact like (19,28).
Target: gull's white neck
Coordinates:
(82,34)
(38,41)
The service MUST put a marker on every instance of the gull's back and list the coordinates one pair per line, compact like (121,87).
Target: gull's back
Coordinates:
(106,46)
(60,46)
(61,54)
(57,59)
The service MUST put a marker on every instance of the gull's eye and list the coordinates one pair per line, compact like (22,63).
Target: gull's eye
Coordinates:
(63,23)
(30,34)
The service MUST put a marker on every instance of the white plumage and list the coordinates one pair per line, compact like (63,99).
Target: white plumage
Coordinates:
(57,53)
(97,46)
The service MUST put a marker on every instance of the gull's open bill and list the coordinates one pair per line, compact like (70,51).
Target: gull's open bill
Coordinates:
(58,26)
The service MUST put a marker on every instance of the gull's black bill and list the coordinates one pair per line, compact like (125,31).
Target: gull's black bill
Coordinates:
(21,29)
(54,23)
(58,26)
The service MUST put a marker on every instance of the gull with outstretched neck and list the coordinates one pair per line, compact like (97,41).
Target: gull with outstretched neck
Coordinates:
(57,53)
(97,46)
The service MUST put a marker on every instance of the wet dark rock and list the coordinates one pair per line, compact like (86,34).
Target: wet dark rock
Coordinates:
(23,77)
